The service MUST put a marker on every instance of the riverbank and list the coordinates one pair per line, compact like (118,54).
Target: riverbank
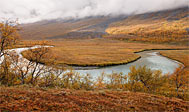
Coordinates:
(99,52)
(151,59)
(178,55)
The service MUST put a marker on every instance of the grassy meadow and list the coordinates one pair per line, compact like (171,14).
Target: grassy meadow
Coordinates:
(98,52)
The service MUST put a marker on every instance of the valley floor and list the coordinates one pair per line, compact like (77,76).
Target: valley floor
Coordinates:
(38,99)
(99,52)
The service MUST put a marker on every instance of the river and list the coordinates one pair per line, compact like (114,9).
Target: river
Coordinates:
(151,59)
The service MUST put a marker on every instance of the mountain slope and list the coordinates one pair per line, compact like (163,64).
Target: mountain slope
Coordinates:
(87,27)
(169,25)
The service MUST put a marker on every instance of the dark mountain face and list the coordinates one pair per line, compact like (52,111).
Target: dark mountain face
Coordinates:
(72,28)
(175,14)
(91,27)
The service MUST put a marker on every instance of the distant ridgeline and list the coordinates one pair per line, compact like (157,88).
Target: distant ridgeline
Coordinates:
(163,26)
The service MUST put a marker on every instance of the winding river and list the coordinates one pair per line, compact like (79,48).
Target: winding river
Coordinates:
(151,59)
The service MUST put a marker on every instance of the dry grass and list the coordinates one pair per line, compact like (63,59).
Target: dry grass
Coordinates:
(179,55)
(27,43)
(33,99)
(98,52)
(93,52)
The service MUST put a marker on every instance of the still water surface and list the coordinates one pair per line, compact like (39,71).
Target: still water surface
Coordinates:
(151,59)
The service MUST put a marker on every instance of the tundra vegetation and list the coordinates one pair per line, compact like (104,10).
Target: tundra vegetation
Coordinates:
(153,28)
(161,32)
(51,75)
(98,52)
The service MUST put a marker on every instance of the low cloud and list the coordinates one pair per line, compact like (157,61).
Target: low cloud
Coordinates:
(35,10)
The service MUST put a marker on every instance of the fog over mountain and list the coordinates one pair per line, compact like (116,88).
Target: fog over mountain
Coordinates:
(35,10)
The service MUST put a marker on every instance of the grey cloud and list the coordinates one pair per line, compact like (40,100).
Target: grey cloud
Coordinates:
(36,10)
(34,13)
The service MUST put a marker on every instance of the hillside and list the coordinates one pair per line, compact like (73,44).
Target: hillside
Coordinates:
(77,28)
(168,25)
(38,99)
(163,26)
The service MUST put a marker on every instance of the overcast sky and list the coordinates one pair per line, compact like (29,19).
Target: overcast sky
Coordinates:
(36,10)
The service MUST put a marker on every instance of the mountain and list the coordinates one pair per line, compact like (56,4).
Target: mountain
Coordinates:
(77,28)
(168,25)
(141,25)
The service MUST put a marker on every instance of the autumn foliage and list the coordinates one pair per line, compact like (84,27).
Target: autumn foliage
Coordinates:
(78,92)
(155,27)
(25,98)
